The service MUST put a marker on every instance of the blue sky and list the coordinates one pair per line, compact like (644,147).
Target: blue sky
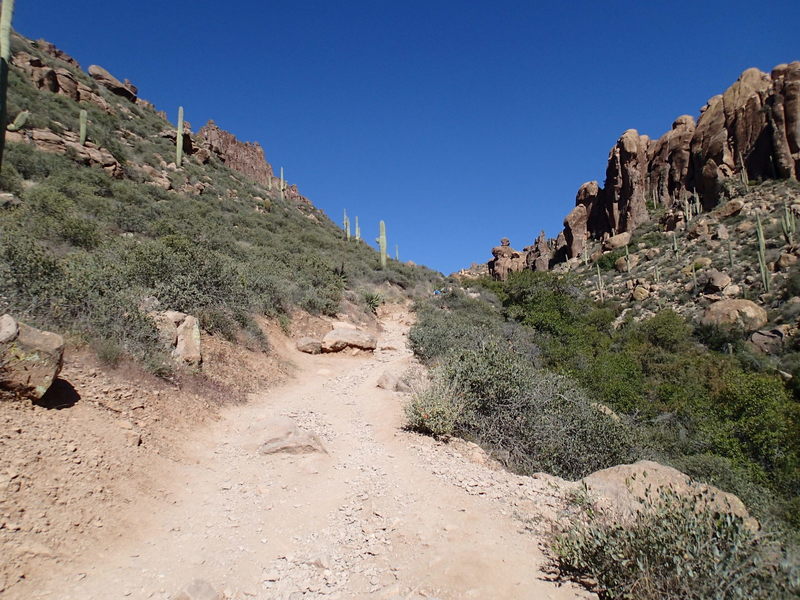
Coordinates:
(457,122)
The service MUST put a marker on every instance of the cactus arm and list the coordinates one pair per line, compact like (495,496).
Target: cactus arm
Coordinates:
(19,121)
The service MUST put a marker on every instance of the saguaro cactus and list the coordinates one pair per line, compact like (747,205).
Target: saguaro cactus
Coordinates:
(281,183)
(19,121)
(84,117)
(397,253)
(5,55)
(358,230)
(762,254)
(346,222)
(179,139)
(382,243)
(788,224)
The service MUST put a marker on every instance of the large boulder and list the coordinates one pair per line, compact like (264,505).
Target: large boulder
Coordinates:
(30,359)
(622,488)
(506,261)
(309,345)
(736,313)
(617,241)
(341,338)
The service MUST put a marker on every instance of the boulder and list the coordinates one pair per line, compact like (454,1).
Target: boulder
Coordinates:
(391,382)
(625,263)
(539,255)
(199,589)
(180,333)
(768,341)
(506,260)
(785,261)
(714,281)
(617,241)
(309,345)
(339,339)
(88,153)
(621,489)
(125,89)
(640,293)
(30,359)
(737,313)
(285,437)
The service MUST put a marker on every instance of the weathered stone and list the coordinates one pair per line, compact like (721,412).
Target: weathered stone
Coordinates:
(721,232)
(339,339)
(89,154)
(309,345)
(285,437)
(768,342)
(640,293)
(30,359)
(626,263)
(736,313)
(391,382)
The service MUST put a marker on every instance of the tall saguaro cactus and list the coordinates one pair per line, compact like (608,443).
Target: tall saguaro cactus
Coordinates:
(84,117)
(358,230)
(179,139)
(382,244)
(397,253)
(346,226)
(282,182)
(6,14)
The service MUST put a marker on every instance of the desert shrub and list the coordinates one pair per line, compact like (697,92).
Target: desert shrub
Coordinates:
(531,419)
(372,300)
(674,549)
(10,180)
(435,409)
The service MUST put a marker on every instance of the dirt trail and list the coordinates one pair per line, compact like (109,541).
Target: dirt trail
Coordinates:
(384,514)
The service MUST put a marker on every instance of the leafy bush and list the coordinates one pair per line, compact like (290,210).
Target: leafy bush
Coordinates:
(674,549)
(434,410)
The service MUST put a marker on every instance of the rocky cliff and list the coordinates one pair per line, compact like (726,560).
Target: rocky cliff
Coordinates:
(752,131)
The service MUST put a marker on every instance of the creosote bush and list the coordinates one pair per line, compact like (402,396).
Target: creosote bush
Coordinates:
(674,548)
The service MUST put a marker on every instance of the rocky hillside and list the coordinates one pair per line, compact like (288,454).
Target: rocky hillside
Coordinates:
(109,235)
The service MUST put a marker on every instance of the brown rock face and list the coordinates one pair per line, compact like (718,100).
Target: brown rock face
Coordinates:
(50,49)
(539,255)
(125,89)
(754,125)
(245,157)
(88,154)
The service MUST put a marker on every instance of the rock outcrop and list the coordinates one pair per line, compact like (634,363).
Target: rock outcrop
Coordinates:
(121,88)
(30,359)
(68,141)
(245,157)
(506,260)
(538,256)
(753,127)
(59,80)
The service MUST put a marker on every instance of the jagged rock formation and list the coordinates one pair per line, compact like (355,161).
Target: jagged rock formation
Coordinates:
(754,126)
(245,157)
(506,260)
(538,255)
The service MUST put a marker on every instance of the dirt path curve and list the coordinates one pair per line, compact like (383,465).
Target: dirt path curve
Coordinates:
(384,514)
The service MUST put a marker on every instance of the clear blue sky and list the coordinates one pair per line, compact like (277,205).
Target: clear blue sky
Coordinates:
(458,122)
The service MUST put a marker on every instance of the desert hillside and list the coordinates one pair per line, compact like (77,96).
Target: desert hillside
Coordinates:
(211,390)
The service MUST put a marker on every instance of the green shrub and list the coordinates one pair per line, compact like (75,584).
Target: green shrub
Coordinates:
(434,410)
(674,549)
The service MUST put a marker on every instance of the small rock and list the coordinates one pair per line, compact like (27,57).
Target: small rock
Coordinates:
(285,437)
(640,293)
(785,261)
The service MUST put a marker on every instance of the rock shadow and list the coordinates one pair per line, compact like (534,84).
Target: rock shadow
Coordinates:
(60,395)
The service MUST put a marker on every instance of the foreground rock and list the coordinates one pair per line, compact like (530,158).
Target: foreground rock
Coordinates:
(180,333)
(340,338)
(744,314)
(30,359)
(392,383)
(621,489)
(285,437)
(309,345)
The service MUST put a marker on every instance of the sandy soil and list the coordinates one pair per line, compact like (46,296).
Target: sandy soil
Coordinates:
(381,513)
